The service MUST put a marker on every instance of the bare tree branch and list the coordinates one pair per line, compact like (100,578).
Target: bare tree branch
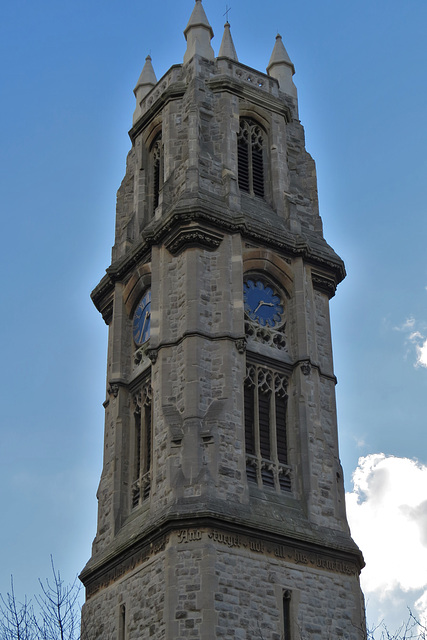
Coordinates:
(59,617)
(56,615)
(16,618)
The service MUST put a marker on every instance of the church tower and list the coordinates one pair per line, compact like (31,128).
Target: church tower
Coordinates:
(221,502)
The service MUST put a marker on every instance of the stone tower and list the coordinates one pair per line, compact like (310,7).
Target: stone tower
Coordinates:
(221,500)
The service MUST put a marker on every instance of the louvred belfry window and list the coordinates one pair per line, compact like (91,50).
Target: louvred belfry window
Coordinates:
(142,443)
(265,428)
(250,157)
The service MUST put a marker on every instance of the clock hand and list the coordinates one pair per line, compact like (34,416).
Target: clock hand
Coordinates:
(147,315)
(265,304)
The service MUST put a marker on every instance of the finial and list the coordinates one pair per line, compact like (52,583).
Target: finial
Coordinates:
(198,34)
(227,49)
(227,11)
(281,67)
(146,80)
(279,56)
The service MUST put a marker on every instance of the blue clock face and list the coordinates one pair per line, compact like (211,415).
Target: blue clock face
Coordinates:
(262,304)
(141,320)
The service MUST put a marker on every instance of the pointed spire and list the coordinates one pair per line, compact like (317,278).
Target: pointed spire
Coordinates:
(281,68)
(198,34)
(279,55)
(147,80)
(227,49)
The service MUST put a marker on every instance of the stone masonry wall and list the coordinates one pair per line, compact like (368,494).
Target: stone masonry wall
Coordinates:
(208,584)
(142,593)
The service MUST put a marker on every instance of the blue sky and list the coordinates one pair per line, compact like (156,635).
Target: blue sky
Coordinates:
(67,73)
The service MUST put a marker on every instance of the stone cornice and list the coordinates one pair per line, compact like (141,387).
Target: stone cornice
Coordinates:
(193,236)
(102,294)
(103,298)
(323,282)
(102,571)
(192,216)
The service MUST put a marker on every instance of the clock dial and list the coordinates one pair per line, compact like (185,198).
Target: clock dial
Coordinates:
(262,304)
(141,320)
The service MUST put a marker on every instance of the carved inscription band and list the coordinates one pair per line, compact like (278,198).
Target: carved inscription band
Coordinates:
(229,540)
(256,545)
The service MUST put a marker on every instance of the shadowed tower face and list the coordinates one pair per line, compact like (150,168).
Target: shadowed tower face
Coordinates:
(221,502)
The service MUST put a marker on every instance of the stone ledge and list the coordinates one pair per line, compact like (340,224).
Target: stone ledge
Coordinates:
(98,575)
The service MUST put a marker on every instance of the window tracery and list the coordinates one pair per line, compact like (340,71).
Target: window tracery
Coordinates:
(265,335)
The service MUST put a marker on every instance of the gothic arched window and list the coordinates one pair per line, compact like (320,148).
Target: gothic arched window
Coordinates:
(156,170)
(265,428)
(250,157)
(142,443)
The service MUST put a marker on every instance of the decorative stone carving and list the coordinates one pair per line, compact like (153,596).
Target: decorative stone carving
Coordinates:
(324,284)
(266,380)
(305,367)
(143,396)
(144,352)
(138,355)
(113,389)
(193,235)
(270,337)
(241,345)
(152,355)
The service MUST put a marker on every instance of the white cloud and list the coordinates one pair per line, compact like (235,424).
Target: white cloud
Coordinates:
(417,338)
(387,512)
(360,442)
(408,324)
(416,335)
(422,354)
(421,609)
